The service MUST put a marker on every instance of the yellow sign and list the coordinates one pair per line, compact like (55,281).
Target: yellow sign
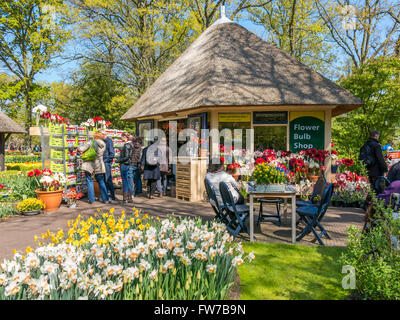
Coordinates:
(299,114)
(234,117)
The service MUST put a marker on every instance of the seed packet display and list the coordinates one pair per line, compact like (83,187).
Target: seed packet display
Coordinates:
(70,167)
(79,163)
(118,133)
(56,128)
(56,167)
(57,141)
(81,131)
(71,180)
(81,140)
(58,154)
(71,130)
(110,133)
(71,142)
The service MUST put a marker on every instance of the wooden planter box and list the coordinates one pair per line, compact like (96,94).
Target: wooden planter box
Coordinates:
(190,179)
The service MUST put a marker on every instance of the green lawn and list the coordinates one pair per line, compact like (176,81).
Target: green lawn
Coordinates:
(293,272)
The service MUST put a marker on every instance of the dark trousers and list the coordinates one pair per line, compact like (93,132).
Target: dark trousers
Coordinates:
(136,180)
(109,182)
(150,186)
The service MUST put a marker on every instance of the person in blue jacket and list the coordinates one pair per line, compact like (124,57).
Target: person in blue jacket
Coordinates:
(108,160)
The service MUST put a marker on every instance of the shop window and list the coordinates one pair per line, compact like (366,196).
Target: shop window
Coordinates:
(270,117)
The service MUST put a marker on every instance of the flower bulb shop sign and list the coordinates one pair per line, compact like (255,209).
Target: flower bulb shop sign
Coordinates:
(306,130)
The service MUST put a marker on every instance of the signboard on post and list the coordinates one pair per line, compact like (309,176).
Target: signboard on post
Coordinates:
(307,130)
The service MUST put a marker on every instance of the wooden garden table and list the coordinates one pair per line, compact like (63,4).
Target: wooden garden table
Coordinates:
(289,193)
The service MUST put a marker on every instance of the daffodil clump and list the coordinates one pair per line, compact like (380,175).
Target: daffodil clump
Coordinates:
(127,257)
(30,204)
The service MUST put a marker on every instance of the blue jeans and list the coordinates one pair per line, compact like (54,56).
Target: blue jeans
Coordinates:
(127,178)
(109,182)
(164,181)
(136,179)
(90,188)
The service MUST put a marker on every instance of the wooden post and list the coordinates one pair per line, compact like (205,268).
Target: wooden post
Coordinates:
(328,139)
(214,145)
(2,151)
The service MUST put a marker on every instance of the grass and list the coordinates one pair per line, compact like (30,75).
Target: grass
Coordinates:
(292,272)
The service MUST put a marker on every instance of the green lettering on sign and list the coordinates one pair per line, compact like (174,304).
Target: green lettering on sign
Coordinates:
(306,133)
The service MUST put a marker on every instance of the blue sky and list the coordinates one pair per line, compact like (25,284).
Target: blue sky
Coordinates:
(64,68)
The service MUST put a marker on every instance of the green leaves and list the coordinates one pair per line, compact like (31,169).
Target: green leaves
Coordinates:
(377,83)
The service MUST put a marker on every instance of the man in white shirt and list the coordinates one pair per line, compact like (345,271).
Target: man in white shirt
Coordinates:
(216,175)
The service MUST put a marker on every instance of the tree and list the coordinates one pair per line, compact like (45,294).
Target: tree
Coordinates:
(32,32)
(207,13)
(139,39)
(377,84)
(94,93)
(295,27)
(361,28)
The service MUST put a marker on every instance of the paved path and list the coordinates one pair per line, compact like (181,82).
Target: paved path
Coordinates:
(17,232)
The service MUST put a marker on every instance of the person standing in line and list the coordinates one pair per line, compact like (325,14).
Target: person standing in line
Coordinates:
(165,160)
(136,163)
(108,157)
(125,163)
(95,167)
(150,167)
(371,154)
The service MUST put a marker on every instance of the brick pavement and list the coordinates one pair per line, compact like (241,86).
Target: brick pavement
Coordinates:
(17,232)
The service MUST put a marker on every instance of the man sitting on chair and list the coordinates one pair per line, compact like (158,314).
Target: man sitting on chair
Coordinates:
(216,174)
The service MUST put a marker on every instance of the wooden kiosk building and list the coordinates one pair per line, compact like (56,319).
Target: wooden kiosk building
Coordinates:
(230,78)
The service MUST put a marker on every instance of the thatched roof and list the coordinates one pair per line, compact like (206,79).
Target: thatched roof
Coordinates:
(228,65)
(8,125)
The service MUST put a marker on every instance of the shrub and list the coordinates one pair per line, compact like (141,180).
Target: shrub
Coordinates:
(126,258)
(375,255)
(21,158)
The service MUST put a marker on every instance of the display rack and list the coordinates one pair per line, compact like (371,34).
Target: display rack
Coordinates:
(59,143)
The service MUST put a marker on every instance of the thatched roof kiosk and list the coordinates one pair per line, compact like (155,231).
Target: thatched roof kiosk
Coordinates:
(230,69)
(7,127)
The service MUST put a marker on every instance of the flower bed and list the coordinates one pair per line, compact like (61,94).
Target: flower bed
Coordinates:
(25,166)
(132,257)
(21,159)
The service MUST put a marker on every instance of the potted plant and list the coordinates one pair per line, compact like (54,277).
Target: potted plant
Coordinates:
(51,187)
(71,196)
(269,178)
(233,170)
(30,206)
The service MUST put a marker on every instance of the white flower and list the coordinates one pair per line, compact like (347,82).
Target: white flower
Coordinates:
(93,238)
(40,109)
(211,268)
(161,253)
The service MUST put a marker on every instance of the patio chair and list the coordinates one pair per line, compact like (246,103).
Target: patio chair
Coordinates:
(381,183)
(212,198)
(312,216)
(318,191)
(237,214)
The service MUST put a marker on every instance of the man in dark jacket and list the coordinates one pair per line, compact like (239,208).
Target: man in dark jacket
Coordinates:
(126,172)
(394,172)
(108,157)
(378,167)
(136,162)
(150,167)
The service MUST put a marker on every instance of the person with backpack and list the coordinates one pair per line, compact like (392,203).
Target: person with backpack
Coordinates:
(93,164)
(136,162)
(371,155)
(151,167)
(108,157)
(126,172)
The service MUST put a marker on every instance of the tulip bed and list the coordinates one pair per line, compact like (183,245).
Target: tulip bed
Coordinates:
(131,257)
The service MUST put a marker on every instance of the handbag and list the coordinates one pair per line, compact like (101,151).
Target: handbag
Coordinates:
(89,154)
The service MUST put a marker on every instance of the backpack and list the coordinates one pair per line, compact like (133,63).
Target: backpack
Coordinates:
(89,154)
(366,155)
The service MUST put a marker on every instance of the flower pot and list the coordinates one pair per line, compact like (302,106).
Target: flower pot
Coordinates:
(52,199)
(236,176)
(30,213)
(96,188)
(312,178)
